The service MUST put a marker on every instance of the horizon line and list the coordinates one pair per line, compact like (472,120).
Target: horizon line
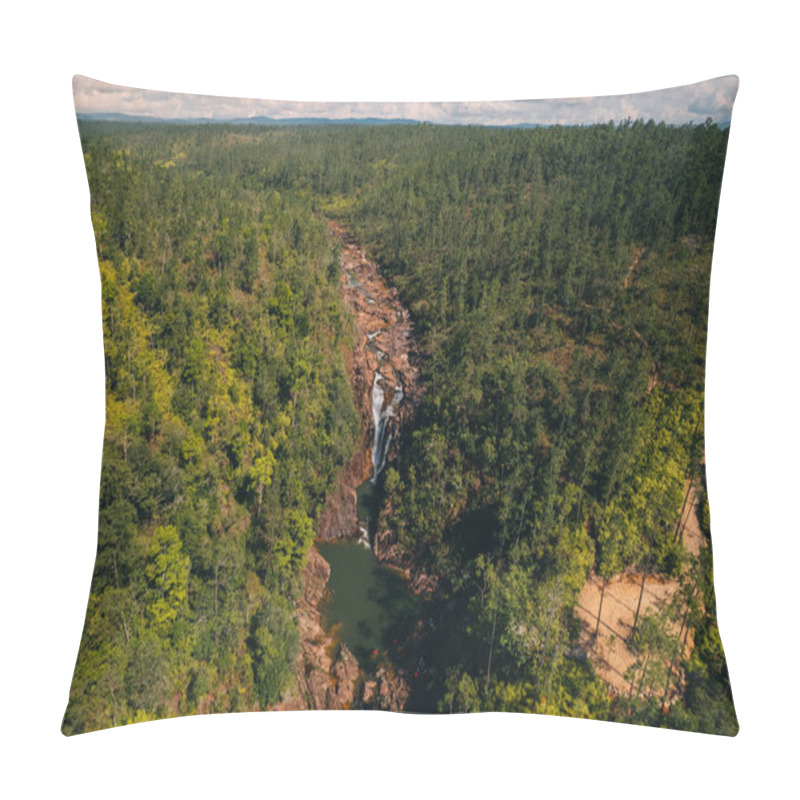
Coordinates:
(692,103)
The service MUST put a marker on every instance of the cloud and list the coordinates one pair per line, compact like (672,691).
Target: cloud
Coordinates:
(712,101)
(692,103)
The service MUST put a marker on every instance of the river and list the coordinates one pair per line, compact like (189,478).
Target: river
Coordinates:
(369,606)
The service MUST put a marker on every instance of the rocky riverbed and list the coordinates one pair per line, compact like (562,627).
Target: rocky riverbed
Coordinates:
(385,380)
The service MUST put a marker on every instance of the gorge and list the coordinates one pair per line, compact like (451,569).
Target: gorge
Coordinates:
(358,602)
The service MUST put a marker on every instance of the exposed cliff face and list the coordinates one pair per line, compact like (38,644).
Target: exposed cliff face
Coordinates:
(339,518)
(388,692)
(385,345)
(328,674)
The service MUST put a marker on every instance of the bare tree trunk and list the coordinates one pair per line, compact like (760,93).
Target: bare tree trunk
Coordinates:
(491,650)
(600,610)
(639,606)
(521,521)
(543,649)
(644,672)
(686,496)
(673,662)
(216,587)
(126,629)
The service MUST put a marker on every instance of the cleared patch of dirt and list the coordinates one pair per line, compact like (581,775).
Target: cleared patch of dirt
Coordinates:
(608,651)
(606,646)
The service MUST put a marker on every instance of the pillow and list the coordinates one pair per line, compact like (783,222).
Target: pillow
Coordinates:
(404,407)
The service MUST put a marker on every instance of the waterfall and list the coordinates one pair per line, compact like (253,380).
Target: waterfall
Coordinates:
(399,394)
(379,417)
(382,430)
(363,537)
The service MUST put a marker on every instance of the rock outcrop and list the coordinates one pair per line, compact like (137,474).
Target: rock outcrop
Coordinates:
(328,675)
(385,343)
(391,692)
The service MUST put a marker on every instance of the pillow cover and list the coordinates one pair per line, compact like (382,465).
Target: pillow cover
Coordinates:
(404,407)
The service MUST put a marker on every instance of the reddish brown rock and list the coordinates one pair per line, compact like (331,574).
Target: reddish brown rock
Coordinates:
(347,676)
(391,693)
(386,344)
(368,693)
(327,674)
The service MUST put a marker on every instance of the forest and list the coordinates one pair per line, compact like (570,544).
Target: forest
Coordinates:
(558,280)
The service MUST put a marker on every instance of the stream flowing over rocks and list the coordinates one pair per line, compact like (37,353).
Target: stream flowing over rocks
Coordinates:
(384,376)
(386,388)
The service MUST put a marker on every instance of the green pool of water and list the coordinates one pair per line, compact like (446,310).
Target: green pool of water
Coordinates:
(371,605)
(367,505)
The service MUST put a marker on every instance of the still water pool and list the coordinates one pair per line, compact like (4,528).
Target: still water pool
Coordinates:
(370,605)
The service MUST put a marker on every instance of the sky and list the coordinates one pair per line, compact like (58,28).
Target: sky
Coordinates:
(692,103)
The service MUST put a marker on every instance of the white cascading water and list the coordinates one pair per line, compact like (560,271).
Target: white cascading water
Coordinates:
(382,431)
(399,394)
(363,537)
(379,417)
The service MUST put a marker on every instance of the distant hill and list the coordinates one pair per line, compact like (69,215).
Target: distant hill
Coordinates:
(118,117)
(113,116)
